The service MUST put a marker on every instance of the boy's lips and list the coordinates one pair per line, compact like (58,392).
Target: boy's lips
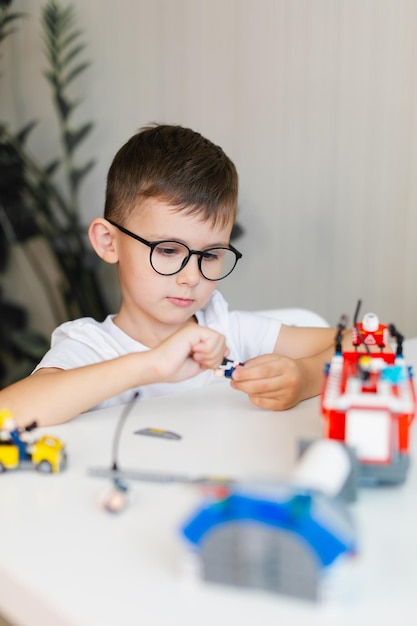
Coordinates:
(181,302)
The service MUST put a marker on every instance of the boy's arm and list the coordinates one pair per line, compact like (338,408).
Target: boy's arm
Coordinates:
(52,396)
(294,372)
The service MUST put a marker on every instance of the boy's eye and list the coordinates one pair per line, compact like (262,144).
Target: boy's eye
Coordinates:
(212,255)
(169,250)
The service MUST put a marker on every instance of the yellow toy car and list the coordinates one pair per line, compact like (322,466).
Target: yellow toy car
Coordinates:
(46,454)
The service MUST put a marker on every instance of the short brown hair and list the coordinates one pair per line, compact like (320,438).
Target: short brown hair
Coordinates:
(177,165)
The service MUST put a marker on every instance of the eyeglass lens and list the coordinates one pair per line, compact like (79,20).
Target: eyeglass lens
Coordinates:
(170,257)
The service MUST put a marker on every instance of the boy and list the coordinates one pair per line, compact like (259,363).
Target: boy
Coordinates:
(171,201)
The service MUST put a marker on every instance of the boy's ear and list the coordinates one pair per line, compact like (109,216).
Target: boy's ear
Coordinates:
(103,239)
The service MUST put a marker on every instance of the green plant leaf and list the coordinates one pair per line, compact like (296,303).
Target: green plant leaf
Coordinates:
(70,38)
(6,20)
(65,107)
(65,16)
(51,52)
(23,134)
(73,138)
(78,174)
(53,79)
(72,54)
(56,20)
(52,167)
(75,72)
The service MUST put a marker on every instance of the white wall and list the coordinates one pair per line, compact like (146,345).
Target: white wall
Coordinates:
(314,100)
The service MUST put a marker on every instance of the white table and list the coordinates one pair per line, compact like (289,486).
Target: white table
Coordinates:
(64,561)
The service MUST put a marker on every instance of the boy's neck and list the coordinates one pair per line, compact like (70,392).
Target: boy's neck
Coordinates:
(148,332)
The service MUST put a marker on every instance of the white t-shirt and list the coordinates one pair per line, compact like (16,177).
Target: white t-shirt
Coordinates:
(85,341)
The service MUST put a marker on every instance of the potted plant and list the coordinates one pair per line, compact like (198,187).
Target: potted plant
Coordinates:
(34,204)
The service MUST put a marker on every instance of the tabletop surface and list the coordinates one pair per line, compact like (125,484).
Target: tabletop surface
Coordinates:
(65,561)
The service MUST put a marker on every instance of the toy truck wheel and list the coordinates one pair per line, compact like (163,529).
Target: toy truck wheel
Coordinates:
(2,468)
(64,462)
(45,467)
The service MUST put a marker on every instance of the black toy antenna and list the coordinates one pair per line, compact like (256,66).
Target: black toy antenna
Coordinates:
(398,337)
(119,429)
(355,324)
(339,335)
(358,308)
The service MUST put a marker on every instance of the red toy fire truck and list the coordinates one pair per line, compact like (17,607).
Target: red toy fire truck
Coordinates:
(368,400)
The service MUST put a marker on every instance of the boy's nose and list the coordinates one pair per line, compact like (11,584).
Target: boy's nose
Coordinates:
(190,274)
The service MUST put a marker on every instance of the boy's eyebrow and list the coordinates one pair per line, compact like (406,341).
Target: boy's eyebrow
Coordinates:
(179,240)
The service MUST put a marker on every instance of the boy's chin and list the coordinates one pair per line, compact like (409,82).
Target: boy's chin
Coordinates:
(177,317)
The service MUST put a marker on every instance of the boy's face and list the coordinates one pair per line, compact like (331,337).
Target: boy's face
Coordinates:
(168,300)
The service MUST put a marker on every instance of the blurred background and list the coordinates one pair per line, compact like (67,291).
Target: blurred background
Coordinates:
(314,101)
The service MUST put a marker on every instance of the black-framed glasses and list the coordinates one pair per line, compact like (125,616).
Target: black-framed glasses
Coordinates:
(170,257)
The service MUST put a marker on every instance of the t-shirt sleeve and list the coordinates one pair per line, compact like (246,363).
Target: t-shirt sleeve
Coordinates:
(78,343)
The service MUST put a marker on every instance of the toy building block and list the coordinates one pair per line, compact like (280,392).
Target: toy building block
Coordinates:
(342,482)
(281,538)
(368,402)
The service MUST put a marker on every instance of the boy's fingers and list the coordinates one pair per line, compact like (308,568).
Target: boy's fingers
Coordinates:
(210,351)
(210,362)
(265,366)
(271,381)
(258,385)
(271,403)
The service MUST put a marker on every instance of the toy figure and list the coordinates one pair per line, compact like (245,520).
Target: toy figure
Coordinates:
(370,332)
(226,368)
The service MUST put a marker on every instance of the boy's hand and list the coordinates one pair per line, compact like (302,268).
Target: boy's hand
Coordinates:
(271,381)
(188,352)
